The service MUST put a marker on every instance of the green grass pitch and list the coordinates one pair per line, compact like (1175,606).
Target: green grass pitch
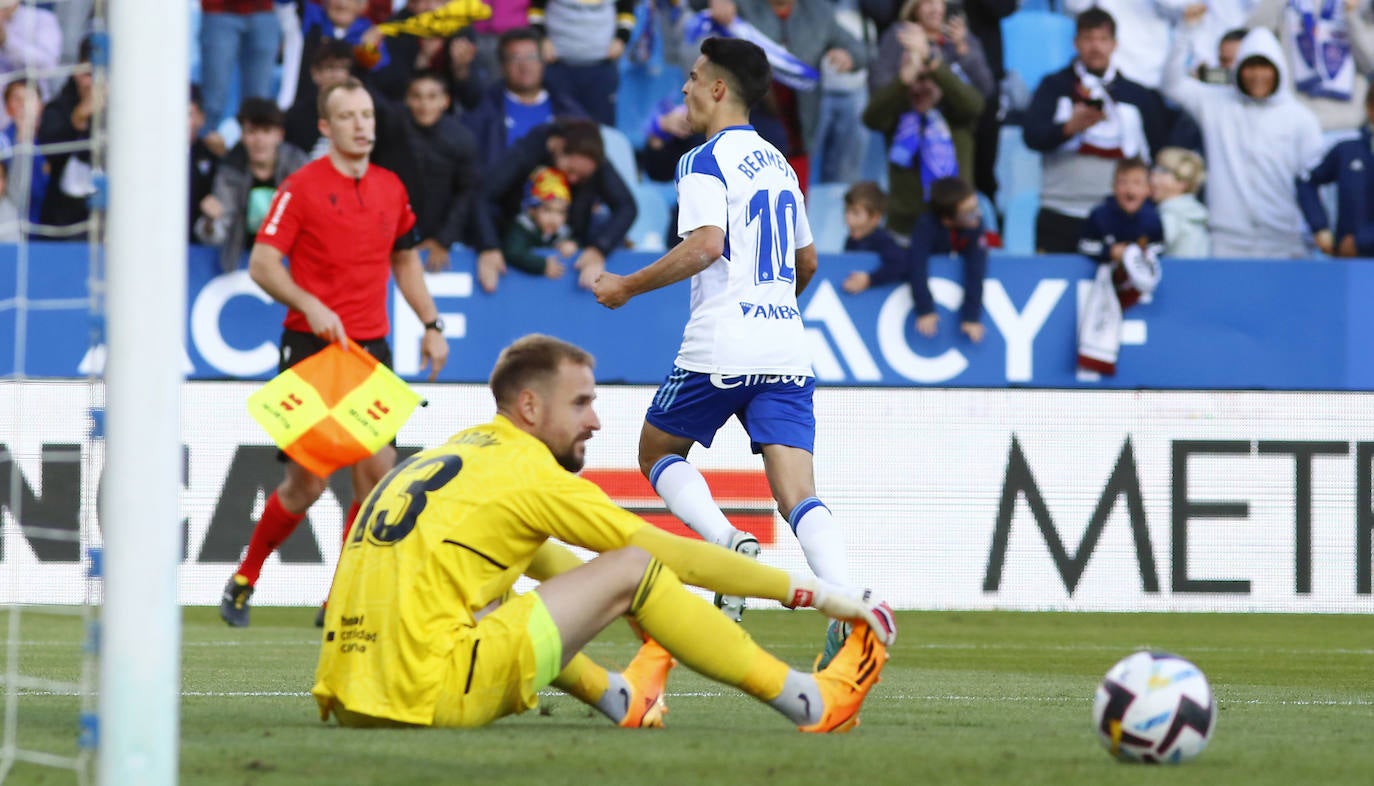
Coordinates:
(968,698)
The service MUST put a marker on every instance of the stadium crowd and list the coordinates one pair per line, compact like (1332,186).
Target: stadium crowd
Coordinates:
(541,137)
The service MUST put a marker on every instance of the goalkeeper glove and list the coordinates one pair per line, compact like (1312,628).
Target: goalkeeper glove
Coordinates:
(843,603)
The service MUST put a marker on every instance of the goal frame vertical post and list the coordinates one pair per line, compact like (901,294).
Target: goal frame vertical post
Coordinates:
(140,516)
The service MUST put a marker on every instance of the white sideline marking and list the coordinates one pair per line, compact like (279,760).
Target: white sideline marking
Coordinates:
(722,694)
(802,647)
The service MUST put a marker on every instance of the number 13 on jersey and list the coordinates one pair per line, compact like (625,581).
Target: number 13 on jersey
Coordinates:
(775,220)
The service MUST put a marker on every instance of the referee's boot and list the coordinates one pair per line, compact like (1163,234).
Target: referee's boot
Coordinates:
(233,604)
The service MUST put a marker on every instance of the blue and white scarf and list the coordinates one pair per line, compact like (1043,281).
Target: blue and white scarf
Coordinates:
(1322,64)
(927,141)
(787,69)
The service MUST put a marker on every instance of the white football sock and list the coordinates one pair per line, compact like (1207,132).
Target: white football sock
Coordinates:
(615,702)
(800,700)
(687,496)
(821,540)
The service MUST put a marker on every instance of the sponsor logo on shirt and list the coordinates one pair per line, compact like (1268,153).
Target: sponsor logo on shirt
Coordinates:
(768,311)
(728,381)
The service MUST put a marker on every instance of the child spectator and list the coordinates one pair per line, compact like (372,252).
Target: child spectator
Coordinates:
(1124,235)
(864,207)
(246,180)
(1350,165)
(1174,182)
(1125,217)
(541,226)
(953,224)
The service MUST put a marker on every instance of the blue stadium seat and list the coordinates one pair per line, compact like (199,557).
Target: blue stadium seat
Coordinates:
(667,191)
(1018,167)
(1018,234)
(195,42)
(825,210)
(1036,43)
(989,213)
(621,155)
(642,87)
(646,234)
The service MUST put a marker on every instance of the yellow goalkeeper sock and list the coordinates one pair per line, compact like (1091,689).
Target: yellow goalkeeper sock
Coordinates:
(583,679)
(702,638)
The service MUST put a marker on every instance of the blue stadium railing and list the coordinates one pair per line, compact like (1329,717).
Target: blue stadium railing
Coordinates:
(1213,324)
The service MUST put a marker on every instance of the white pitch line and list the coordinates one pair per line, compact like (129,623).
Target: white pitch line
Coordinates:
(905,646)
(884,698)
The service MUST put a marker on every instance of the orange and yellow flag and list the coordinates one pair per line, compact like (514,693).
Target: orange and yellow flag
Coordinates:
(334,408)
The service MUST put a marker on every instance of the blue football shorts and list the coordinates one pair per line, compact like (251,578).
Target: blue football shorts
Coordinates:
(774,410)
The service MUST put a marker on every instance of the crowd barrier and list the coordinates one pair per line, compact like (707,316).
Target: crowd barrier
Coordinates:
(1212,325)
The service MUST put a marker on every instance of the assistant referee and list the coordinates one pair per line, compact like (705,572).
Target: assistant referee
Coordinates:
(347,227)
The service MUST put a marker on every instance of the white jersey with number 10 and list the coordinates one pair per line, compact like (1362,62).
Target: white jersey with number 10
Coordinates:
(744,306)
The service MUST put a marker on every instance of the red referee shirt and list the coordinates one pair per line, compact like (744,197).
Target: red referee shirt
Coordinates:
(338,234)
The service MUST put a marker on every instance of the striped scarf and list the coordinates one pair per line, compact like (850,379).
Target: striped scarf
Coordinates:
(787,69)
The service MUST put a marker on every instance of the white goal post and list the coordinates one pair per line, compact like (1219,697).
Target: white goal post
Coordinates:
(140,649)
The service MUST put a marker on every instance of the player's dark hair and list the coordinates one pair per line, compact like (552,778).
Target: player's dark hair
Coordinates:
(743,65)
(1130,165)
(514,37)
(261,113)
(530,361)
(581,137)
(322,105)
(332,50)
(196,100)
(867,195)
(1093,19)
(946,194)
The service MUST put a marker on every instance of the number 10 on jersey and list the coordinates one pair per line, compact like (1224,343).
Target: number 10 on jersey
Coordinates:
(777,225)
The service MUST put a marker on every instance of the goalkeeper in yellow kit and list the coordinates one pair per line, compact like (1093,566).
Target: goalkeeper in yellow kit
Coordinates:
(423,629)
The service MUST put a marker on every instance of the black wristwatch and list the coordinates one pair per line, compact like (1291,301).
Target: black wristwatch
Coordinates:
(437,324)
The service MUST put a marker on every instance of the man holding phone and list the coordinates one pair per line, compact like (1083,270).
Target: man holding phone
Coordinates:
(1084,119)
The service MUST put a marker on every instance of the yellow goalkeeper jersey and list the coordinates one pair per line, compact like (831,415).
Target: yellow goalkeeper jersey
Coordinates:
(447,532)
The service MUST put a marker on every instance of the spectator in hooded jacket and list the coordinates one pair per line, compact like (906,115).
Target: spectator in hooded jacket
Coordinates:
(1259,140)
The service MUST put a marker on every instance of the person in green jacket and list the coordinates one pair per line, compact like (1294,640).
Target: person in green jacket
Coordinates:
(928,115)
(542,226)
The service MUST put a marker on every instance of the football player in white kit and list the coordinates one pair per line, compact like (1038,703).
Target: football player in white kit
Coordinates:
(748,250)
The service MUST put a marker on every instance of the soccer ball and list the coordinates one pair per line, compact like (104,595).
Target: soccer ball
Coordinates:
(1154,707)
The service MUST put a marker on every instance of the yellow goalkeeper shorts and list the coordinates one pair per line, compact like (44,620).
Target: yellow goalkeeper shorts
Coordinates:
(499,666)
